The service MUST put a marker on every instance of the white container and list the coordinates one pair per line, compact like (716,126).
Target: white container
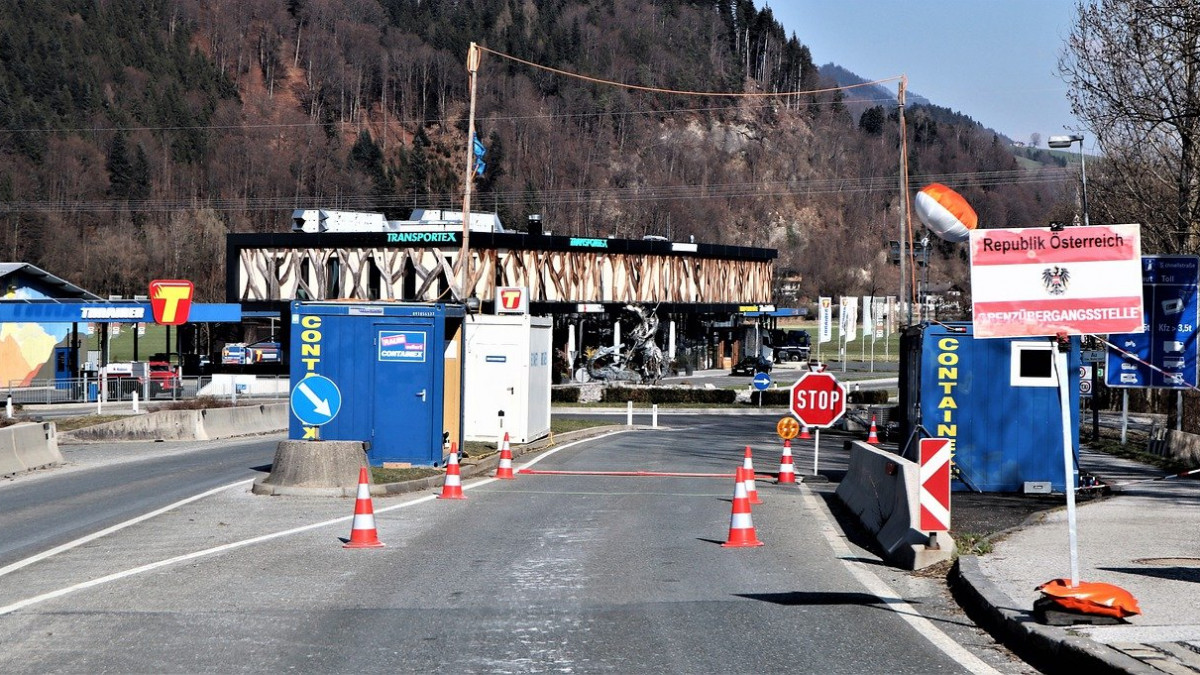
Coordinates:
(508,366)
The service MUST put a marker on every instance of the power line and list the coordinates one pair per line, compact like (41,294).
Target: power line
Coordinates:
(565,196)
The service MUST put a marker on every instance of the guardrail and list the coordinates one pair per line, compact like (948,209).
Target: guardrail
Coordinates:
(86,390)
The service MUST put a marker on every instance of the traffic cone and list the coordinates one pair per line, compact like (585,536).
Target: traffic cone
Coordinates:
(505,469)
(787,471)
(452,487)
(362,532)
(872,437)
(804,435)
(748,467)
(741,524)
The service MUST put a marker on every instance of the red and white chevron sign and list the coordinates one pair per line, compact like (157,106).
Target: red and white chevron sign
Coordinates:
(935,484)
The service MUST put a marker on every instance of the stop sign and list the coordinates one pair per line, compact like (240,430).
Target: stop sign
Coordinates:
(818,399)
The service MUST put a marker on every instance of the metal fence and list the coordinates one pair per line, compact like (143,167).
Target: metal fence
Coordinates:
(86,390)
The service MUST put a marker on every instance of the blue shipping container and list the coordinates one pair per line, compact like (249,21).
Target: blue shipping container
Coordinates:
(996,398)
(390,375)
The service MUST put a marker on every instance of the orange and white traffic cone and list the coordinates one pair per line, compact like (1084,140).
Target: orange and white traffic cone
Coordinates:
(504,470)
(873,437)
(741,524)
(787,470)
(452,486)
(363,533)
(804,435)
(751,488)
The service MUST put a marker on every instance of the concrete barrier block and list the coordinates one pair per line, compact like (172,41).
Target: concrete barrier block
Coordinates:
(37,444)
(883,490)
(1183,446)
(244,420)
(167,425)
(315,465)
(10,463)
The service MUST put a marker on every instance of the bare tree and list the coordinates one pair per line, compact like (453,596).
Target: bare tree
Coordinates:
(1134,71)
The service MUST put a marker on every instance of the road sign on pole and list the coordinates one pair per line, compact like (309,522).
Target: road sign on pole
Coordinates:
(818,399)
(316,400)
(762,381)
(935,484)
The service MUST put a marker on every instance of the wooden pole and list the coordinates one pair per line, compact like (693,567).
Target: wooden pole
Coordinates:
(464,261)
(904,246)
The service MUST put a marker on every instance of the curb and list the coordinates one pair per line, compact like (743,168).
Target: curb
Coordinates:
(993,610)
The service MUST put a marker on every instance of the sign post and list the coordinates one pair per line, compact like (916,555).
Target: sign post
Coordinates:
(1058,282)
(818,400)
(761,382)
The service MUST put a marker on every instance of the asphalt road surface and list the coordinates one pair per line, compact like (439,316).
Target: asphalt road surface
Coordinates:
(573,570)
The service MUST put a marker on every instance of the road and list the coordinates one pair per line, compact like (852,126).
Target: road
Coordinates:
(550,572)
(107,483)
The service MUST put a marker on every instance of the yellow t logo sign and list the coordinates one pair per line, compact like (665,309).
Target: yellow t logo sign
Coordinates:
(171,301)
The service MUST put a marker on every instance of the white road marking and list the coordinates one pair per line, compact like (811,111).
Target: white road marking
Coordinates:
(892,600)
(115,528)
(117,576)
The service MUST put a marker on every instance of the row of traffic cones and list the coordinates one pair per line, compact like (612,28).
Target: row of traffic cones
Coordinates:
(745,494)
(363,533)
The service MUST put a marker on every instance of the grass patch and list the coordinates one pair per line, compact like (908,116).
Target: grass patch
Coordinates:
(381,475)
(970,543)
(73,423)
(562,426)
(1136,453)
(198,403)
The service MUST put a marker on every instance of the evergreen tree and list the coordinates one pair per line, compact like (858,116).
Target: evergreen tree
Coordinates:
(120,168)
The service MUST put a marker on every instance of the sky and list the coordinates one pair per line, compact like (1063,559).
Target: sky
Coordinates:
(994,60)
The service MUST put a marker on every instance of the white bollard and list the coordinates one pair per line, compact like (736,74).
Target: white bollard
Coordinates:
(8,408)
(654,416)
(629,413)
(135,402)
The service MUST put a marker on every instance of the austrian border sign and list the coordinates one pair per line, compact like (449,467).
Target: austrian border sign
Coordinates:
(1037,281)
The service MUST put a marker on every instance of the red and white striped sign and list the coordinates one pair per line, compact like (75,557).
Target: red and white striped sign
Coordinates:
(1033,281)
(935,484)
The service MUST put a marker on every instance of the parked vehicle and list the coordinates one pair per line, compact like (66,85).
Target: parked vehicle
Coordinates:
(241,354)
(751,365)
(790,345)
(124,378)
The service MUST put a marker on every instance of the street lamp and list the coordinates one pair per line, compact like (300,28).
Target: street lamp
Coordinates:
(1065,142)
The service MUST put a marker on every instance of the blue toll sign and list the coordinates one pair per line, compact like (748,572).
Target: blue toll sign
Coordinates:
(1169,298)
(316,400)
(762,381)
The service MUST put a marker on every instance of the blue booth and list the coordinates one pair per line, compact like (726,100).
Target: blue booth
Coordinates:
(385,373)
(996,398)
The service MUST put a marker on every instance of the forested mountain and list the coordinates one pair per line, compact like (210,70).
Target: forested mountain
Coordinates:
(134,134)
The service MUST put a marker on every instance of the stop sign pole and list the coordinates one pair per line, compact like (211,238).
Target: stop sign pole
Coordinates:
(818,400)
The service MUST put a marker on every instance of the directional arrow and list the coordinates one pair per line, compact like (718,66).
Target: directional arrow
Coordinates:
(320,405)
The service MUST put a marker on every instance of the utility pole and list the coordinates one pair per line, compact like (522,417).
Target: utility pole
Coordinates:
(905,244)
(465,252)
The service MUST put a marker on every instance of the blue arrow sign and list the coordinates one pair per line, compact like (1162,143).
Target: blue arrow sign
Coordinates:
(762,381)
(316,400)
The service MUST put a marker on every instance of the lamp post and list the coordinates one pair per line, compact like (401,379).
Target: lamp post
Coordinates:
(1066,142)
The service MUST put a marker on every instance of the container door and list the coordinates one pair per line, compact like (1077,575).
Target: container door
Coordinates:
(407,406)
(500,375)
